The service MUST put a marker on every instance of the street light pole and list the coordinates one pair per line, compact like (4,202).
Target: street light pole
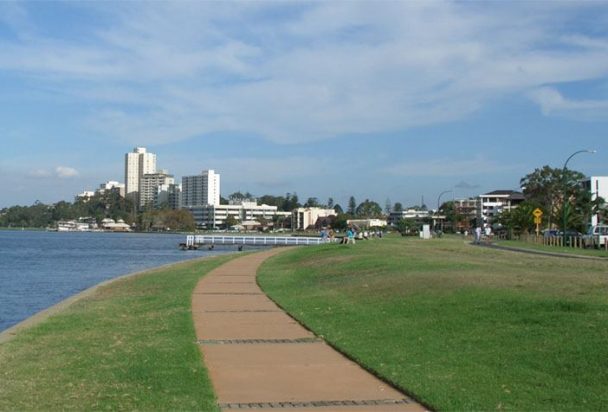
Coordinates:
(439,199)
(564,188)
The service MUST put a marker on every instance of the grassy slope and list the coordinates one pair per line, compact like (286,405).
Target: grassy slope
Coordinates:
(462,328)
(128,347)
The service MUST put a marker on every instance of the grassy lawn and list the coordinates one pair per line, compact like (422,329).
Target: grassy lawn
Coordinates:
(553,249)
(459,327)
(130,346)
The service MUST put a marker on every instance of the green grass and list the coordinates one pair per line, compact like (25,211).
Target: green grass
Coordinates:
(130,346)
(459,327)
(554,249)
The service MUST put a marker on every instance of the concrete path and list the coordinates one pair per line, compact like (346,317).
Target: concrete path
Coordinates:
(260,358)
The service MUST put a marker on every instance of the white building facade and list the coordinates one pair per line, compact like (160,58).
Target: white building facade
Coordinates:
(137,164)
(598,186)
(494,203)
(148,187)
(86,195)
(215,216)
(367,223)
(110,186)
(395,217)
(201,190)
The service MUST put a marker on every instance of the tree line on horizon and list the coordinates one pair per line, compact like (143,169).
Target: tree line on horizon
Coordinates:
(111,205)
(553,190)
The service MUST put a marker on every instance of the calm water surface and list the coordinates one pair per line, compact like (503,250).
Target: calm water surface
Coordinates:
(40,269)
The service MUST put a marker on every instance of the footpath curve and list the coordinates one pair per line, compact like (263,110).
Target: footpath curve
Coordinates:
(260,358)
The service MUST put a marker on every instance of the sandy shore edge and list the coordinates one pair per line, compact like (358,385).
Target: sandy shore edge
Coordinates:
(44,314)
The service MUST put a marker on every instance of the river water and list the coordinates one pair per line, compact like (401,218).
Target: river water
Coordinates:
(40,269)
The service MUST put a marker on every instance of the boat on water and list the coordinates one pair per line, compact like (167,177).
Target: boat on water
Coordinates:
(90,225)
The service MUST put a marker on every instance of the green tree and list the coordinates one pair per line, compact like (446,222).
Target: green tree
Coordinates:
(352,206)
(519,220)
(312,202)
(330,203)
(368,209)
(270,200)
(407,227)
(263,223)
(239,196)
(231,221)
(398,207)
(291,202)
(557,192)
(340,223)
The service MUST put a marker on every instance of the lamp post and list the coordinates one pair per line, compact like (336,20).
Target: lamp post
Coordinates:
(439,199)
(564,188)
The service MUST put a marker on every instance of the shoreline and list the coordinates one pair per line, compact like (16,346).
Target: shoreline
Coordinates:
(13,331)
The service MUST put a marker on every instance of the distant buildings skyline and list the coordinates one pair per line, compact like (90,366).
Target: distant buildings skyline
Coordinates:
(201,194)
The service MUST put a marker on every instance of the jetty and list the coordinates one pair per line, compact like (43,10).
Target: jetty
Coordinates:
(194,242)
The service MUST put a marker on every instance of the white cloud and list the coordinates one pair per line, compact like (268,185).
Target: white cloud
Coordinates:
(65,172)
(162,72)
(552,102)
(60,172)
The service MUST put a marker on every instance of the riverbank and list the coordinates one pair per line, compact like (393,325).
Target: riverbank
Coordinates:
(41,269)
(44,314)
(124,344)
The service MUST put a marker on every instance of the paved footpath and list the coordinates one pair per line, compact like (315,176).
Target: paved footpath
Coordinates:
(260,358)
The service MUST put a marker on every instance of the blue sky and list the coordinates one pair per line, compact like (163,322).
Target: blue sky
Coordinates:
(377,100)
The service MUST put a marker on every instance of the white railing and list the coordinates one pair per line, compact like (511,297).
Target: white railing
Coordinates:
(192,240)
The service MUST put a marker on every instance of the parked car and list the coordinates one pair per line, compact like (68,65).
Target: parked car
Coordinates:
(550,233)
(570,236)
(596,236)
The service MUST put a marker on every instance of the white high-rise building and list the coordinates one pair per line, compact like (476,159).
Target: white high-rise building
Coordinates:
(137,164)
(201,190)
(598,186)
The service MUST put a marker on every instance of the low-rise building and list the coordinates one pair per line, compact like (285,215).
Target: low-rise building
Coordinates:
(115,226)
(466,213)
(111,186)
(84,196)
(494,203)
(304,218)
(367,223)
(415,214)
(216,216)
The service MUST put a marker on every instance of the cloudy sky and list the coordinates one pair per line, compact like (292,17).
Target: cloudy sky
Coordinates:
(398,100)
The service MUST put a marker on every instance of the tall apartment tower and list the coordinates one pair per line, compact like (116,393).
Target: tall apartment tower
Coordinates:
(201,190)
(148,187)
(137,164)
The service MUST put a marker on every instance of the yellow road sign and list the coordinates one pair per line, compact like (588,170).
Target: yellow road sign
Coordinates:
(537,212)
(538,220)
